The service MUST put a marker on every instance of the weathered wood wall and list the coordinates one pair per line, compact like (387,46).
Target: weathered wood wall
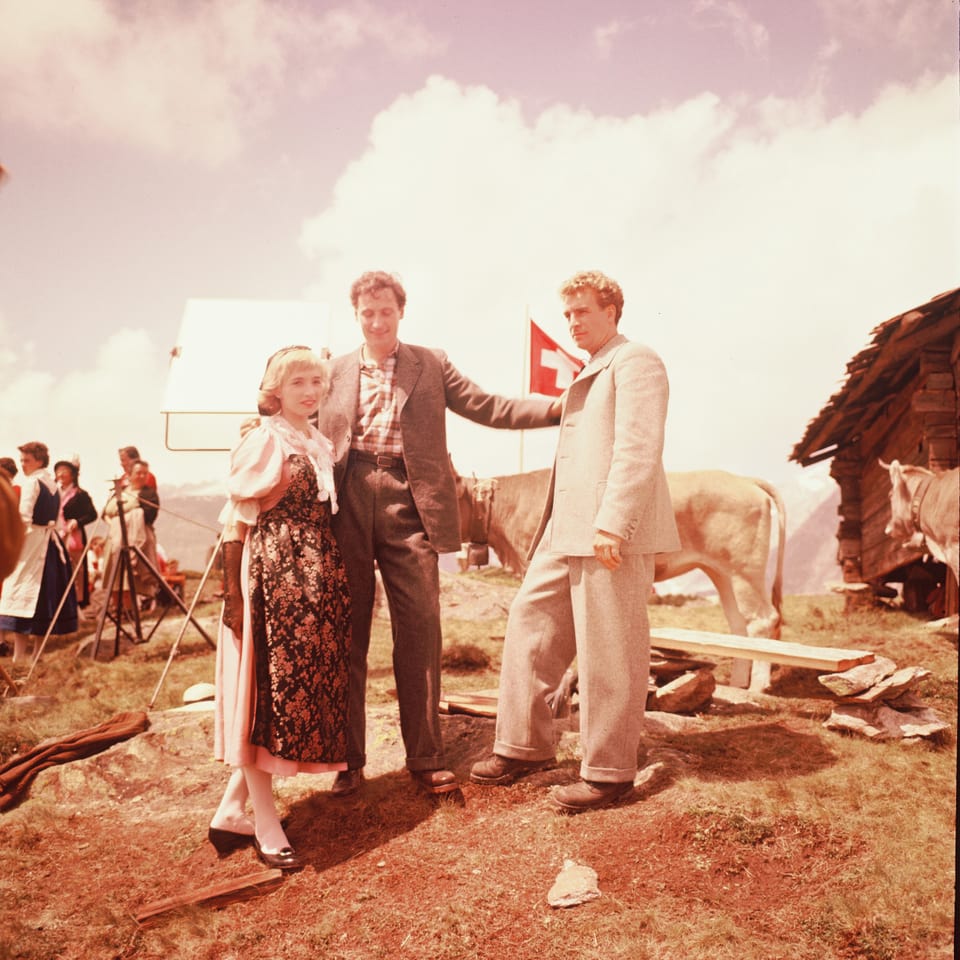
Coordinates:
(918,425)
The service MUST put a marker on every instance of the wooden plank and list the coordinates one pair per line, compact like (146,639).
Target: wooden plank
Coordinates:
(758,648)
(480,703)
(217,895)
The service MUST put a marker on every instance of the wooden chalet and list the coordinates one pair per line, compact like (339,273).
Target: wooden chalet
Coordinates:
(899,401)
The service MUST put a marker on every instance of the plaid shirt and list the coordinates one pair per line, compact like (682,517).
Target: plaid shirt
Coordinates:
(378,422)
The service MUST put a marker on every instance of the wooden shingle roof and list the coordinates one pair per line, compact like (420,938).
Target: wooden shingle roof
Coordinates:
(879,371)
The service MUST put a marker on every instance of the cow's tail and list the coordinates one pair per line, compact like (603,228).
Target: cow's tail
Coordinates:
(776,593)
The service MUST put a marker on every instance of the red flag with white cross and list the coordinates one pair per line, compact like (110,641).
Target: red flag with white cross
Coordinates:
(552,369)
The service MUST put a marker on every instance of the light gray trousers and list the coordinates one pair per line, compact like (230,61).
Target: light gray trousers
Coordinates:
(574,607)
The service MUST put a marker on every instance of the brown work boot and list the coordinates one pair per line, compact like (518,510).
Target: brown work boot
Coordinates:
(347,783)
(435,782)
(590,795)
(497,771)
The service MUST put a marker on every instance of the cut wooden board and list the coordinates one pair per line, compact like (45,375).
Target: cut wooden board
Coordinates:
(479,703)
(217,895)
(758,648)
(483,703)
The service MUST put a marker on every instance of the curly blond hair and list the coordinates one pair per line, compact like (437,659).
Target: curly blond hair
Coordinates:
(607,290)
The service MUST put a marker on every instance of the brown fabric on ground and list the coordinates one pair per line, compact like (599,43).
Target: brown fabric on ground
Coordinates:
(18,772)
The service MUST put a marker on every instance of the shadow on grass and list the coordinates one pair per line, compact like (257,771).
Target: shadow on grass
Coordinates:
(757,752)
(328,831)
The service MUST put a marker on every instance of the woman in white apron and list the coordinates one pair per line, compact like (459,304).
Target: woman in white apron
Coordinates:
(32,593)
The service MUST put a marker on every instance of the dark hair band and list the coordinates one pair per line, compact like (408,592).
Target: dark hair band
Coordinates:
(280,352)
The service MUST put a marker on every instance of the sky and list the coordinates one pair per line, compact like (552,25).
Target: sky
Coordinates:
(767,179)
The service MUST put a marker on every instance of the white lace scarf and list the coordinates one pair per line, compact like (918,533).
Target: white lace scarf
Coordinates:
(316,448)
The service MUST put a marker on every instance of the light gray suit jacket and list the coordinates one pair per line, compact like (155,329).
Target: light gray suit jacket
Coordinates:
(608,473)
(428,385)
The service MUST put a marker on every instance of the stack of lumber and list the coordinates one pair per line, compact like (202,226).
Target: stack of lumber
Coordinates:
(678,682)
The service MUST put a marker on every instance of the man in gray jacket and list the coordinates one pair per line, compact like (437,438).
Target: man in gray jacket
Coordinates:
(386,416)
(585,592)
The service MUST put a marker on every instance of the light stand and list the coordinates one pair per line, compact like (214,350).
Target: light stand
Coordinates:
(214,556)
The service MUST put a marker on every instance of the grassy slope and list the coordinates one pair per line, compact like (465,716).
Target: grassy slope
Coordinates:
(756,836)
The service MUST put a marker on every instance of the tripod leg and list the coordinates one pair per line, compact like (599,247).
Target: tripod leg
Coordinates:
(164,587)
(128,553)
(188,619)
(102,618)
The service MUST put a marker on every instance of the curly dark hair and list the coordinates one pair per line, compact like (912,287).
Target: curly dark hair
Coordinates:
(373,281)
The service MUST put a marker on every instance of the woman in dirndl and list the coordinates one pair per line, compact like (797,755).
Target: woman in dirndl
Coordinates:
(282,674)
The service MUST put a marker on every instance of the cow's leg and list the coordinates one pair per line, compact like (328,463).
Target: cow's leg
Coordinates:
(740,672)
(762,620)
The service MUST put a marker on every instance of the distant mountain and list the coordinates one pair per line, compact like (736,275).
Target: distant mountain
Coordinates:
(187,526)
(810,562)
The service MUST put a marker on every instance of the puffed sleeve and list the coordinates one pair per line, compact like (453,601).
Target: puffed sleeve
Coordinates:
(256,468)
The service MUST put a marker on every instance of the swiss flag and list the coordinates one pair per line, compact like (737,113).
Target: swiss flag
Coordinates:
(552,369)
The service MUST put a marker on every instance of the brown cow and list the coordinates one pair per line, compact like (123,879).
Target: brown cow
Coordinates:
(926,506)
(723,521)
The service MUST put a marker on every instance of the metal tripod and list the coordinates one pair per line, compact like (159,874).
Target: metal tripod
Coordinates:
(121,572)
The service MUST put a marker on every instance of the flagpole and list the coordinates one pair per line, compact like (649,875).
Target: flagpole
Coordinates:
(525,386)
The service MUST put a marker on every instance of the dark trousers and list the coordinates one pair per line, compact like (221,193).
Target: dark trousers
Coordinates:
(378,521)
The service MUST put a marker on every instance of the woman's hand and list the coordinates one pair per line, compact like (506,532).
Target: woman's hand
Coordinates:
(232,594)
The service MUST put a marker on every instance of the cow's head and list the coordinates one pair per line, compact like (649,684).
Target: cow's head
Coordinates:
(903,482)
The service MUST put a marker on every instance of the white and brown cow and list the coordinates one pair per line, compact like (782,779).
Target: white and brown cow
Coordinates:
(723,520)
(925,506)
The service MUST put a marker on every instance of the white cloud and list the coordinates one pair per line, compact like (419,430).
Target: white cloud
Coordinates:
(95,411)
(757,246)
(185,79)
(749,33)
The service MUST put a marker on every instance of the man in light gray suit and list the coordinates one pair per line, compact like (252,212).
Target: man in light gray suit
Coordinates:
(585,592)
(386,417)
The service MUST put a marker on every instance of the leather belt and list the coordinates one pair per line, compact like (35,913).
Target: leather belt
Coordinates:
(382,460)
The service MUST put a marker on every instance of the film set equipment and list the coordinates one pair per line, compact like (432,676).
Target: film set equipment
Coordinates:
(121,580)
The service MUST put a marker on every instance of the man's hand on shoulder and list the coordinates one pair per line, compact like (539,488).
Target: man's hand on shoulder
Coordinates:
(251,423)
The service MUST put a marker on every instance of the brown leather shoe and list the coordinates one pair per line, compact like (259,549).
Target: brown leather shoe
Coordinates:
(590,795)
(347,783)
(497,771)
(435,782)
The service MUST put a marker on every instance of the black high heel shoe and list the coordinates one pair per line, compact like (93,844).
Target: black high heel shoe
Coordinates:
(286,859)
(226,842)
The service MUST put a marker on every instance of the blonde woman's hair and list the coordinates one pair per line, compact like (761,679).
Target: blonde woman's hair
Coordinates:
(279,367)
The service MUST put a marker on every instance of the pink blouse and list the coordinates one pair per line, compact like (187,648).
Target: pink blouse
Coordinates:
(260,471)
